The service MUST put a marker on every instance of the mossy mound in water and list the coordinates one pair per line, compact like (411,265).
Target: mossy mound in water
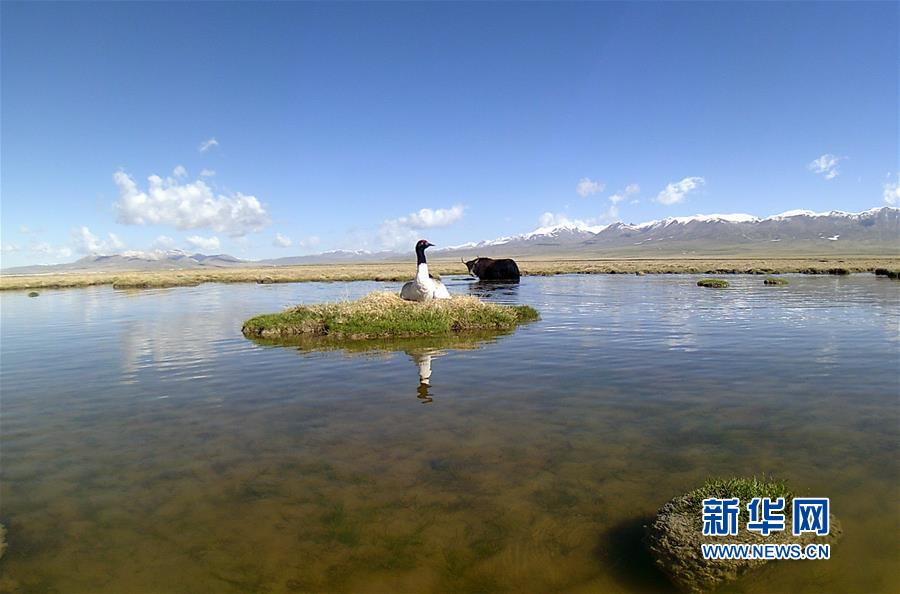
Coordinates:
(383,315)
(33,294)
(712,283)
(775,281)
(675,536)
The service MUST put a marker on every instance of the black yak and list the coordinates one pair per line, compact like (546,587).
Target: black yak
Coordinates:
(495,270)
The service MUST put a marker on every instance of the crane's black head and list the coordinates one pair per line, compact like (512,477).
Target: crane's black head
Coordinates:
(421,245)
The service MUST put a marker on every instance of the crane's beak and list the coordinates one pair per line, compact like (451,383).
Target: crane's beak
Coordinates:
(428,244)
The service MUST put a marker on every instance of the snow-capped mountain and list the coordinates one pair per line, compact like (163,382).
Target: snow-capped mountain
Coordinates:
(875,231)
(334,256)
(137,260)
(795,232)
(167,256)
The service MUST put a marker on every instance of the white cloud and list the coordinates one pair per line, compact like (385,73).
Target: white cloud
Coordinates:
(25,229)
(676,191)
(594,224)
(207,173)
(586,186)
(191,205)
(45,249)
(203,243)
(892,192)
(163,242)
(86,242)
(427,218)
(281,241)
(179,171)
(620,196)
(826,165)
(555,219)
(10,248)
(208,144)
(394,233)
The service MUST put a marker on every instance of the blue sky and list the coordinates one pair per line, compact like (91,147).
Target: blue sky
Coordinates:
(335,125)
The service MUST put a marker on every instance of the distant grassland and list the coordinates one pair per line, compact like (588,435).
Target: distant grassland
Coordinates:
(402,271)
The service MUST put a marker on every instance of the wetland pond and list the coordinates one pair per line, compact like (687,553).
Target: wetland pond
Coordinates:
(148,447)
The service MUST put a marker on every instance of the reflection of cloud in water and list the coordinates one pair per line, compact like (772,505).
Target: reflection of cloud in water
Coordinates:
(181,342)
(181,346)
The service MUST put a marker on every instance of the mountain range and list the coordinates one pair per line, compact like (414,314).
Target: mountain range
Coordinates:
(797,232)
(793,233)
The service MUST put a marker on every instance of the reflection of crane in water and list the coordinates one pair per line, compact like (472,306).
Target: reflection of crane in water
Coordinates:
(505,290)
(421,350)
(423,360)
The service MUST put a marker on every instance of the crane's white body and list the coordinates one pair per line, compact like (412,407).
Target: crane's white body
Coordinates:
(423,287)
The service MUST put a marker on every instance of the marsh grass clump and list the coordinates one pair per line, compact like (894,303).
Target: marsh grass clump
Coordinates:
(384,315)
(675,535)
(743,488)
(775,281)
(713,283)
(894,274)
(33,294)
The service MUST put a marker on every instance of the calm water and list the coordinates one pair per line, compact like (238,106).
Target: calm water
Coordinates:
(148,447)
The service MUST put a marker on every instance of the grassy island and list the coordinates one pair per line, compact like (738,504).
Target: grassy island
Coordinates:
(383,315)
(713,283)
(775,281)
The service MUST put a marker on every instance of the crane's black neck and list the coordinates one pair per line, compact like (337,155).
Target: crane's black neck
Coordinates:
(420,254)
